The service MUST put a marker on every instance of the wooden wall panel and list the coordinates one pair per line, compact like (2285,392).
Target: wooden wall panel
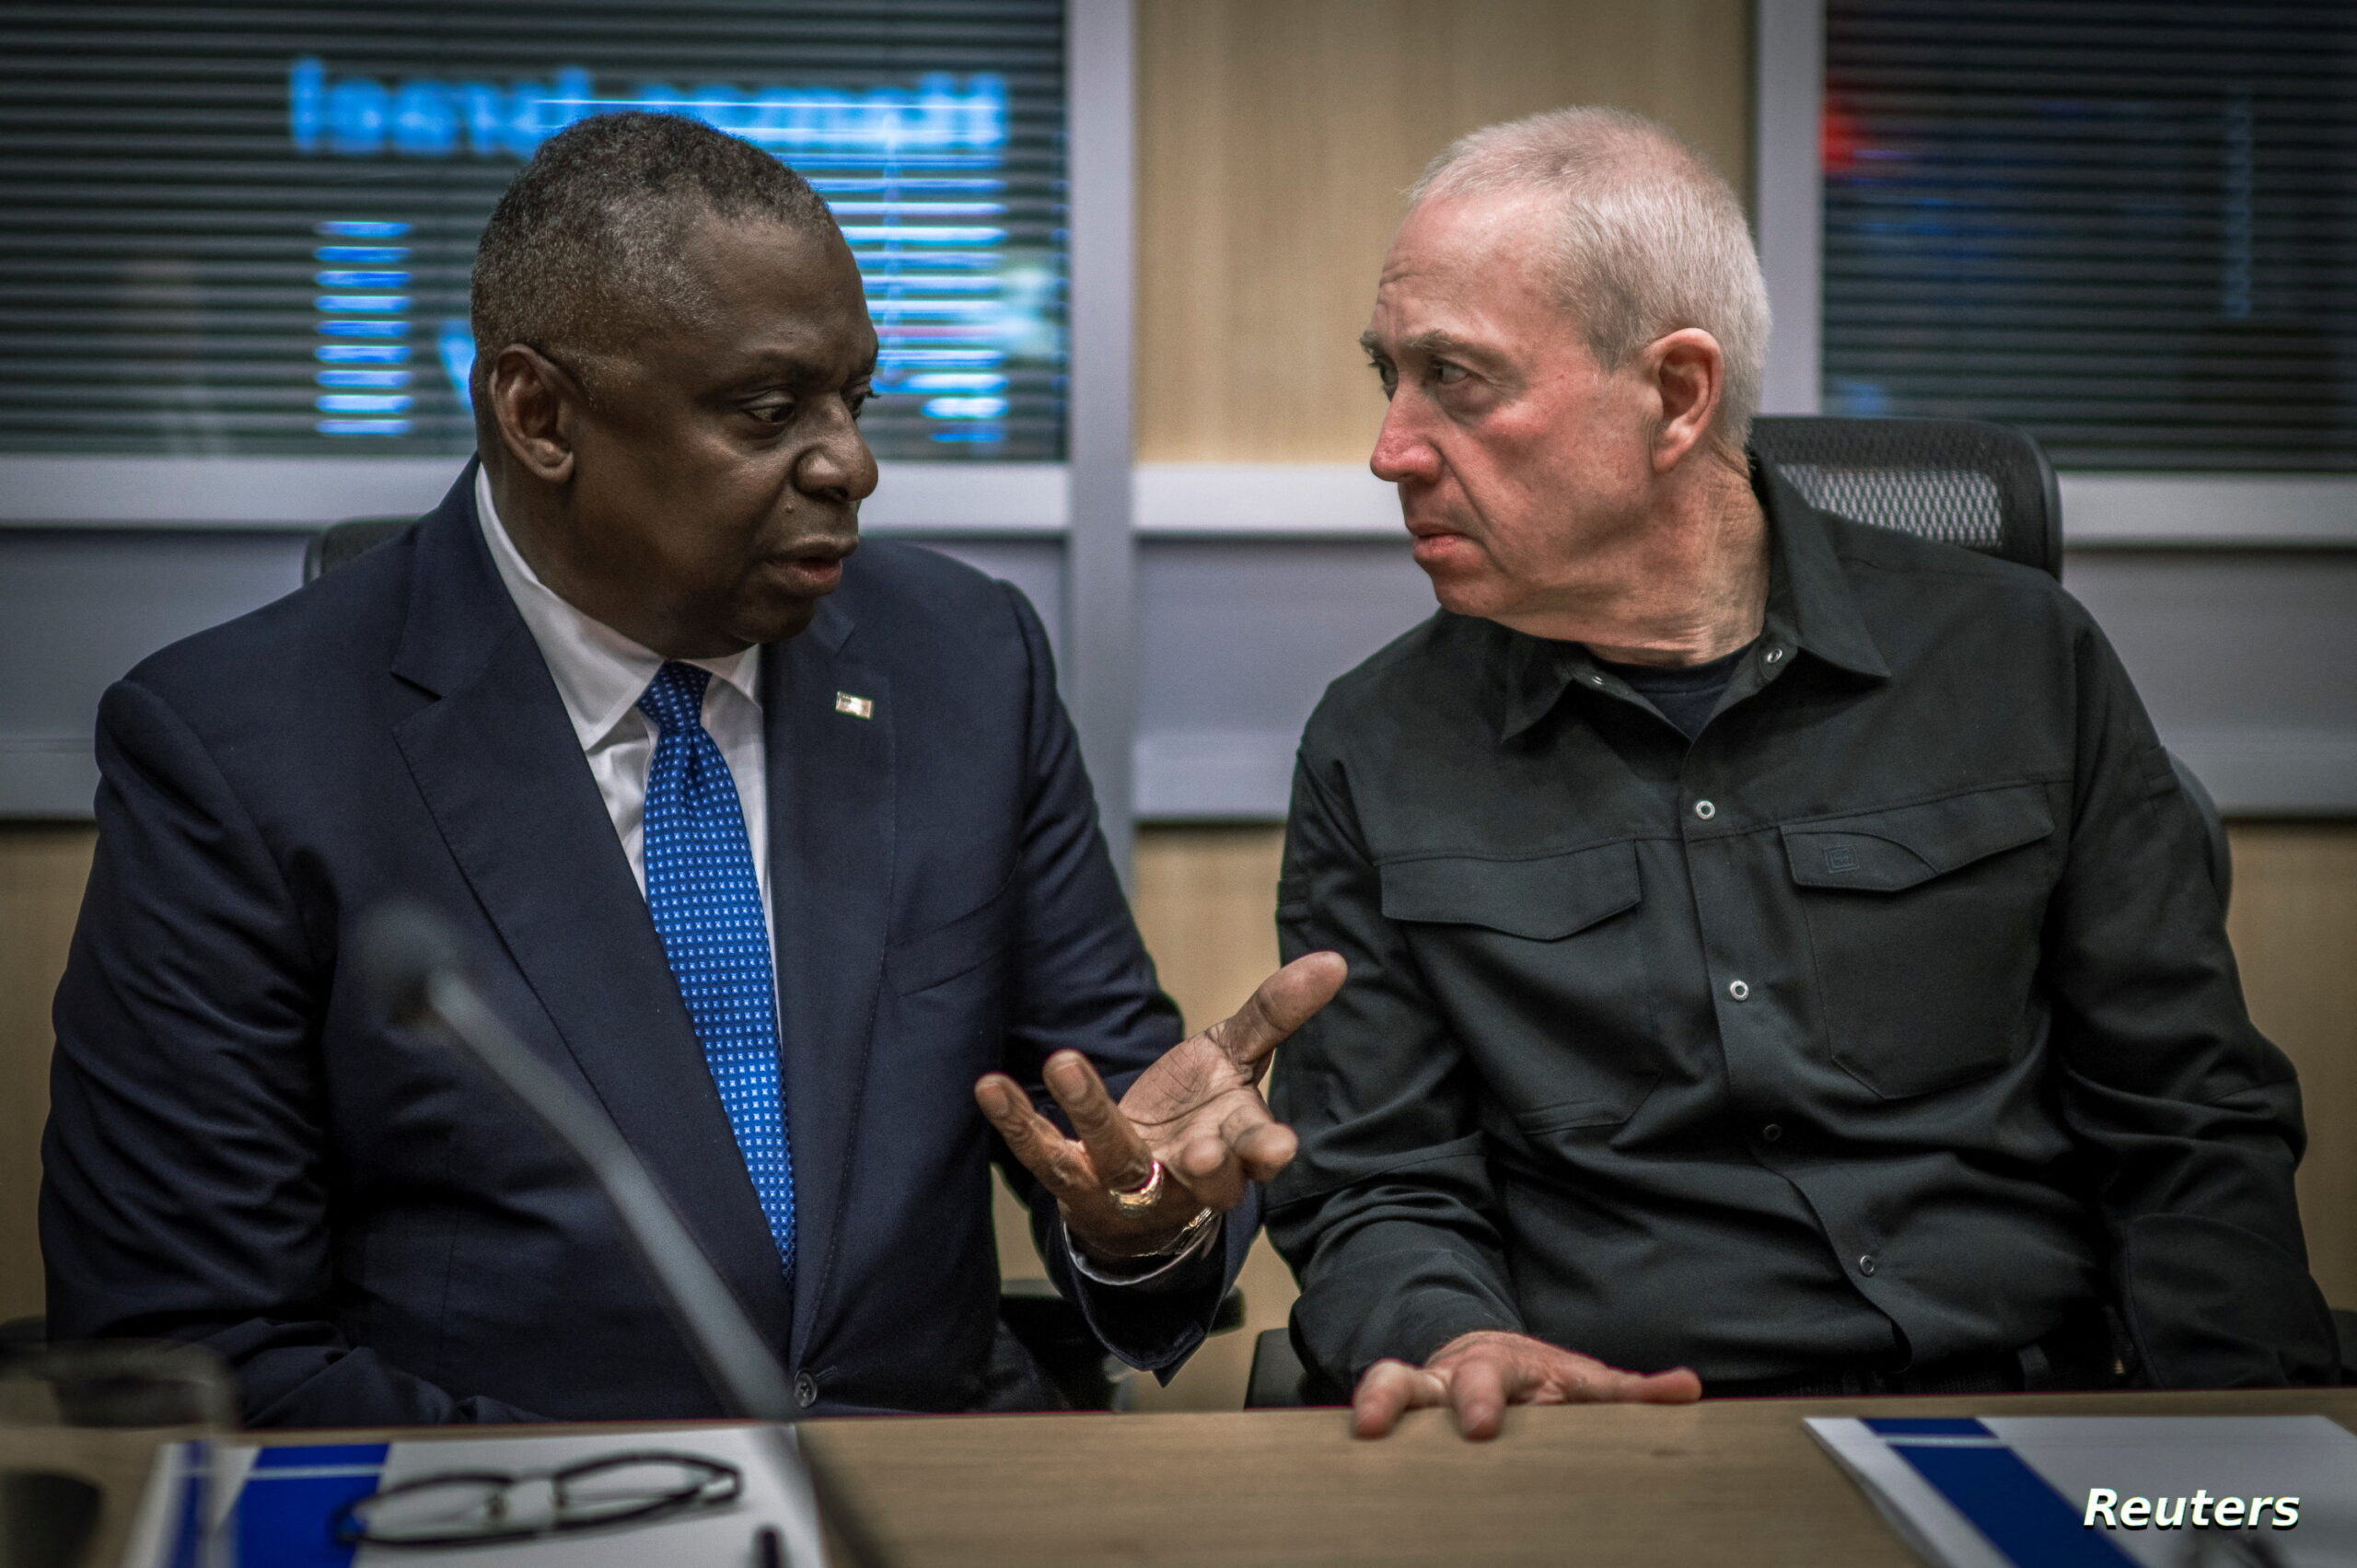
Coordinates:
(1206,902)
(42,868)
(1274,139)
(2294,926)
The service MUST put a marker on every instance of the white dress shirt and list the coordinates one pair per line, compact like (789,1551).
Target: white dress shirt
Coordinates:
(602,674)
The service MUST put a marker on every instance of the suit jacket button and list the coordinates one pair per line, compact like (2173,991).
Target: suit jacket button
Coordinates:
(805,1389)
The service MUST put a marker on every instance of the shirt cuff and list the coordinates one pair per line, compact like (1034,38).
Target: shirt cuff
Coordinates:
(1148,1273)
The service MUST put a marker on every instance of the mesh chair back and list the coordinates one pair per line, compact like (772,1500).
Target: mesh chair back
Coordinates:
(1987,487)
(341,542)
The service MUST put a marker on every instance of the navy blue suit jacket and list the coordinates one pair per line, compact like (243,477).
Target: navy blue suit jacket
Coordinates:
(238,1153)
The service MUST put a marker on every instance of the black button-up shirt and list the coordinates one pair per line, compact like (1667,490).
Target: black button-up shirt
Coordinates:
(1890,1020)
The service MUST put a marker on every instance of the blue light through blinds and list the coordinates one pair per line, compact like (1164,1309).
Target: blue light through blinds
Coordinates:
(247,229)
(2131,228)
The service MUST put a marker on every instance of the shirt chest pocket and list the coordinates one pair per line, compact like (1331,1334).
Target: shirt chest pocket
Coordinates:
(1540,965)
(1925,921)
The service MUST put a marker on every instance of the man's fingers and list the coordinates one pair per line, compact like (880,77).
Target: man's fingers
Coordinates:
(1478,1388)
(1600,1384)
(1389,1389)
(1122,1161)
(1248,1145)
(1210,1169)
(1045,1152)
(1679,1385)
(1285,1002)
(1264,1144)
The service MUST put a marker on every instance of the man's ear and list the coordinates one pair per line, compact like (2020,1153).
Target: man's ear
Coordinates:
(1686,371)
(538,406)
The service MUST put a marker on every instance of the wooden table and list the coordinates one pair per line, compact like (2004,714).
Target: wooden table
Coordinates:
(1729,1480)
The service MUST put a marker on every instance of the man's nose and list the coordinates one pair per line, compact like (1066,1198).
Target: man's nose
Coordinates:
(1402,452)
(839,467)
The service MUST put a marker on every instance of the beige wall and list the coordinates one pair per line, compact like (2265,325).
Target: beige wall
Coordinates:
(2294,922)
(42,868)
(1274,139)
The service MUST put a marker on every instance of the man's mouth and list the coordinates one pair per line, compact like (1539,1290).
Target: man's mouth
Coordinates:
(815,568)
(1436,544)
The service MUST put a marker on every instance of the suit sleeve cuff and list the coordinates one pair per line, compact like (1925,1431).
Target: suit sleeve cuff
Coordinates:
(1150,1274)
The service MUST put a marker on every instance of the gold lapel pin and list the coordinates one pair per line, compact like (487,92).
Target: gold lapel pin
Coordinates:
(857,707)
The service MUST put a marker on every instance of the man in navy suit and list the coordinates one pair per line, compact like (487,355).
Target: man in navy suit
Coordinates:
(784,855)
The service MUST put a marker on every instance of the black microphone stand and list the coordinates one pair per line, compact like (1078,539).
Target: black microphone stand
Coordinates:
(411,970)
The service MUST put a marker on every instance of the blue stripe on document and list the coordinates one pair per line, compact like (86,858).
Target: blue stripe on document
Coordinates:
(2006,1501)
(315,1456)
(1926,1426)
(283,1511)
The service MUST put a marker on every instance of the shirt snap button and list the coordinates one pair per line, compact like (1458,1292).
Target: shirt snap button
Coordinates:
(1770,1132)
(1706,811)
(1737,989)
(1866,1265)
(1775,654)
(805,1389)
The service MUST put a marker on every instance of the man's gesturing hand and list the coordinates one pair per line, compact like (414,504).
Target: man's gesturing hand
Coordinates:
(1479,1375)
(1198,1109)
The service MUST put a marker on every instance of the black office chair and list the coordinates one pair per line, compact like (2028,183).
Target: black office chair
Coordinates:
(1987,487)
(334,545)
(1966,481)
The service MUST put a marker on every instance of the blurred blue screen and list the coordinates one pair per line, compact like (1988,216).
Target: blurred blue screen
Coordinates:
(247,229)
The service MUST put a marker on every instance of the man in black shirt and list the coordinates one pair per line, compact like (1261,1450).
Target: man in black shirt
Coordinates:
(1779,951)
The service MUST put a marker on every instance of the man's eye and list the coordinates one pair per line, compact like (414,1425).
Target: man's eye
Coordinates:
(1448,374)
(772,411)
(859,400)
(1385,374)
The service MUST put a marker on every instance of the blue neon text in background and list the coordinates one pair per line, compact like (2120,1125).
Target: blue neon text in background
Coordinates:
(918,217)
(423,117)
(362,390)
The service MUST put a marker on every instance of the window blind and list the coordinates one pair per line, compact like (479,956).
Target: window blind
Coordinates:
(2129,228)
(248,229)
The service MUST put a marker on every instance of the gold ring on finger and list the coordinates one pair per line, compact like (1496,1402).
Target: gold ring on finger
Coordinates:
(1141,1198)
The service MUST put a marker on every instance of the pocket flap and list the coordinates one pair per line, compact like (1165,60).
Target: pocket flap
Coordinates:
(1885,852)
(1542,899)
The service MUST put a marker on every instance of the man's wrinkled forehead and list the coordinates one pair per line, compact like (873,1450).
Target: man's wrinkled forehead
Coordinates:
(761,289)
(1465,273)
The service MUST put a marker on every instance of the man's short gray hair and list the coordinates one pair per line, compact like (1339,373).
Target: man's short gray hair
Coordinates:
(581,257)
(1651,240)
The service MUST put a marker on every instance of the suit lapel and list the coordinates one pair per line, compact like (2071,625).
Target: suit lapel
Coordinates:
(831,808)
(502,771)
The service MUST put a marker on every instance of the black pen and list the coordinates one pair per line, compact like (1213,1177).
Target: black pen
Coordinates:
(767,1553)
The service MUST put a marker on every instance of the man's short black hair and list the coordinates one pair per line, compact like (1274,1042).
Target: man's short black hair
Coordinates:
(581,257)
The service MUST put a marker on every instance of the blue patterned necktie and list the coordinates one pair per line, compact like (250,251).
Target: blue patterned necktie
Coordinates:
(706,900)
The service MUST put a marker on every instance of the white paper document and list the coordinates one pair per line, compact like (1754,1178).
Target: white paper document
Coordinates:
(278,1507)
(2108,1492)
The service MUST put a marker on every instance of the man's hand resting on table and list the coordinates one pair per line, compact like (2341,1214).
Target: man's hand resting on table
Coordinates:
(1198,1109)
(1479,1375)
